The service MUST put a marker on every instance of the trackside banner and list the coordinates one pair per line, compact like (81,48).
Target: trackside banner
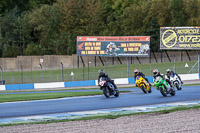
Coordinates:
(113,46)
(180,38)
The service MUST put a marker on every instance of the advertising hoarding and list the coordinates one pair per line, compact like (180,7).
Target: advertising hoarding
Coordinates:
(113,46)
(187,38)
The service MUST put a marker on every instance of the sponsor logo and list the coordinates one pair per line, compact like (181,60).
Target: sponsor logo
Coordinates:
(91,39)
(169,38)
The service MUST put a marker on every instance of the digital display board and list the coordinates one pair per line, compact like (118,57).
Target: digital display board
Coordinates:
(180,38)
(113,46)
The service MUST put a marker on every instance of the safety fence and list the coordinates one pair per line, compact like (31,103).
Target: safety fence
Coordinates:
(60,73)
(195,76)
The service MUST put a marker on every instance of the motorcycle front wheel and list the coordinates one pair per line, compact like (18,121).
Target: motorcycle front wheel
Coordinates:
(177,86)
(106,92)
(143,89)
(163,91)
(149,89)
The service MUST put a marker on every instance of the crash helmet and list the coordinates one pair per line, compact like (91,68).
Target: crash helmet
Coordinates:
(101,72)
(136,71)
(168,71)
(155,72)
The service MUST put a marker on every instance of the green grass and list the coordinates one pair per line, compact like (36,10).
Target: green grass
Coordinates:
(115,71)
(113,116)
(35,90)
(41,96)
(191,84)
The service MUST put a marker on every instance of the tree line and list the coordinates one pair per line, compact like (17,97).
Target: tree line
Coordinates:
(46,27)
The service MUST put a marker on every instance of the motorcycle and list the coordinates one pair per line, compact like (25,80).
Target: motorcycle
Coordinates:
(143,84)
(176,81)
(162,85)
(108,88)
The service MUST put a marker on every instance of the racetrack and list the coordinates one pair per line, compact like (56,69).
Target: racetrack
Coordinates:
(135,98)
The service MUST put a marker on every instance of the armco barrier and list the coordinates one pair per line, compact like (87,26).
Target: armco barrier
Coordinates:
(49,85)
(194,76)
(118,81)
(80,83)
(19,86)
(121,81)
(2,87)
(132,80)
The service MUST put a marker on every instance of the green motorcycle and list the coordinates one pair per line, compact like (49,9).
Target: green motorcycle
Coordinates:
(164,87)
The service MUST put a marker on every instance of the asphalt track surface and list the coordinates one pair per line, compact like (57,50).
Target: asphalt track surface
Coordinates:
(74,104)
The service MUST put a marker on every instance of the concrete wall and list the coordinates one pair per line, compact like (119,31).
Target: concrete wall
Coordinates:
(51,62)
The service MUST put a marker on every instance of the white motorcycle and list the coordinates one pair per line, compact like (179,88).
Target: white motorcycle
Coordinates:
(176,81)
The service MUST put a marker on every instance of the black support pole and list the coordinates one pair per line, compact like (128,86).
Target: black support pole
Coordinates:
(21,73)
(41,72)
(154,56)
(78,61)
(62,71)
(82,61)
(168,56)
(131,60)
(95,61)
(101,60)
(119,60)
(1,75)
(138,60)
(188,55)
(83,66)
(181,56)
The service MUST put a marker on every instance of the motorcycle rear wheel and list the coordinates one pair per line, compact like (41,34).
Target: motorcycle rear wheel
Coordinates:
(173,92)
(116,93)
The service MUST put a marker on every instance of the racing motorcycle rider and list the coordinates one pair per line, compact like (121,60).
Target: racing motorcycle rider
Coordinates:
(137,73)
(156,73)
(169,73)
(103,74)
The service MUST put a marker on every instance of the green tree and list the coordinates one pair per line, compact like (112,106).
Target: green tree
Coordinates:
(133,19)
(9,33)
(192,12)
(22,5)
(157,16)
(177,13)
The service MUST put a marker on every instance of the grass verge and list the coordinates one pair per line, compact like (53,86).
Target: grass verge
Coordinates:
(35,90)
(112,116)
(42,96)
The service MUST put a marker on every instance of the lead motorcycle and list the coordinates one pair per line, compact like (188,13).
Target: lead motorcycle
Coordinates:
(176,81)
(108,88)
